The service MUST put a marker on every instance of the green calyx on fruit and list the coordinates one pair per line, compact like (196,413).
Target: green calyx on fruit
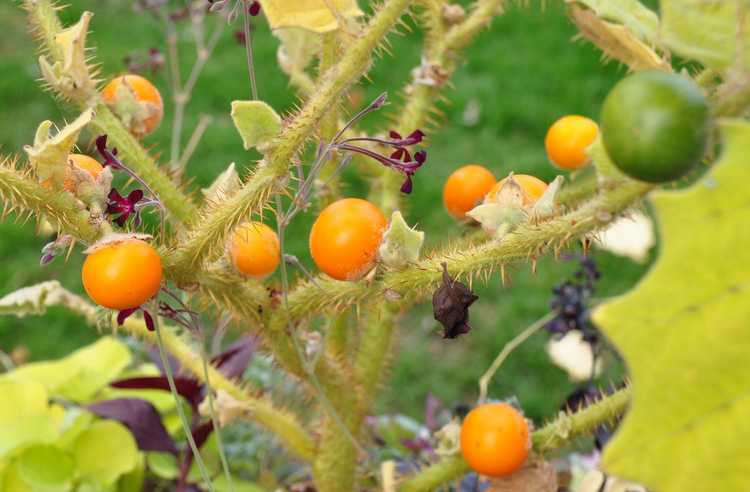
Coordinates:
(655,126)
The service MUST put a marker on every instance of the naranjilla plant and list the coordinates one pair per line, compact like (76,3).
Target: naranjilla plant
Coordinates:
(173,269)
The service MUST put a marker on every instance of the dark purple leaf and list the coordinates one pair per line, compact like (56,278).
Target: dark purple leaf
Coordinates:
(141,418)
(201,434)
(450,305)
(234,360)
(188,388)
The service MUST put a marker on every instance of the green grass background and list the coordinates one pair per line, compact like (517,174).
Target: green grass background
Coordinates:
(523,73)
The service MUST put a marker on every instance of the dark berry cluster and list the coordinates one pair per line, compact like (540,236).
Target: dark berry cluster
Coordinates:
(570,302)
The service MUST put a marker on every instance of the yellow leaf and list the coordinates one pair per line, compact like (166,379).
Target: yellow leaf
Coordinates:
(684,333)
(314,15)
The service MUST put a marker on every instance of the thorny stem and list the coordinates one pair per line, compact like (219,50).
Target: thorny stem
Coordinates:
(309,371)
(178,404)
(249,50)
(509,347)
(562,430)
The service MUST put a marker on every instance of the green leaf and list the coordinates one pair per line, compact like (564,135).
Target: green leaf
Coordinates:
(80,375)
(12,481)
(46,468)
(133,480)
(712,32)
(163,465)
(221,484)
(684,333)
(256,122)
(401,244)
(104,452)
(25,417)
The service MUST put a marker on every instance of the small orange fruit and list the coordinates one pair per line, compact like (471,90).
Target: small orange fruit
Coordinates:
(567,140)
(122,275)
(533,188)
(144,119)
(254,249)
(345,237)
(83,162)
(495,439)
(465,189)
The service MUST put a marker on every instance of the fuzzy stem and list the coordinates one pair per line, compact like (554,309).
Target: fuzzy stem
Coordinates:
(554,435)
(373,354)
(327,183)
(46,24)
(529,240)
(60,208)
(210,234)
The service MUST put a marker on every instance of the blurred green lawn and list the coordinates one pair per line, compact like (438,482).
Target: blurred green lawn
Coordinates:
(522,74)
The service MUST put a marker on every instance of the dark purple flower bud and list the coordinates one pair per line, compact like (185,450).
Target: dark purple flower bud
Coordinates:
(254,8)
(450,305)
(149,320)
(239,36)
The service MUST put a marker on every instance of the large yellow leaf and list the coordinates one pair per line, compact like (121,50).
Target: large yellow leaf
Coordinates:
(314,15)
(685,334)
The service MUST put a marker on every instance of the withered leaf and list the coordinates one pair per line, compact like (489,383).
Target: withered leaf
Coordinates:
(450,305)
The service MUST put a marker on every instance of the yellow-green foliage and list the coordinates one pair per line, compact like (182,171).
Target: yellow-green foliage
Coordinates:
(683,332)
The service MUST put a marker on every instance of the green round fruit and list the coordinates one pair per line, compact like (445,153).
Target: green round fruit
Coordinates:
(655,126)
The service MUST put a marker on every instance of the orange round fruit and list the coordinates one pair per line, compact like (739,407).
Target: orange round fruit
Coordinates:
(254,249)
(144,93)
(83,162)
(533,188)
(465,189)
(567,140)
(122,275)
(495,439)
(345,237)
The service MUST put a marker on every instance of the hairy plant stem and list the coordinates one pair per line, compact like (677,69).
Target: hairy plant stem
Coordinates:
(209,235)
(530,240)
(562,430)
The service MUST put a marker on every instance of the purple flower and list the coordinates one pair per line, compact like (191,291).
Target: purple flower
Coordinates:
(110,156)
(400,159)
(125,207)
(126,313)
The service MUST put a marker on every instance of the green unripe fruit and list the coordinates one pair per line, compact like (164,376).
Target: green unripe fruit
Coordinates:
(655,126)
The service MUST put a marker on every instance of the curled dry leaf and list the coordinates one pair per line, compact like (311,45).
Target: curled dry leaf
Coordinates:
(49,154)
(401,244)
(535,476)
(224,186)
(450,305)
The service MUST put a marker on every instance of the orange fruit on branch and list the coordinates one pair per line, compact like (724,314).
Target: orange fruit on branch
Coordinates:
(136,101)
(255,250)
(466,188)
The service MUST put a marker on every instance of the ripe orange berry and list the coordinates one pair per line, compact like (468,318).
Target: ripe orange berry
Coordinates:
(345,237)
(495,439)
(533,188)
(465,189)
(567,140)
(83,162)
(144,93)
(122,275)
(254,249)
